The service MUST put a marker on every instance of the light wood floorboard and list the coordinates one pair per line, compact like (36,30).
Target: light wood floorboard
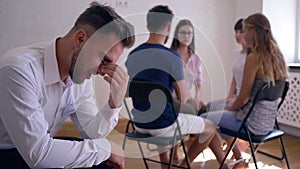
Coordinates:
(134,161)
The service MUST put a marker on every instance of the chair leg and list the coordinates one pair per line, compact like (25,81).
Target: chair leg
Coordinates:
(253,154)
(172,151)
(252,149)
(284,152)
(143,156)
(124,142)
(171,157)
(231,146)
(271,155)
(185,154)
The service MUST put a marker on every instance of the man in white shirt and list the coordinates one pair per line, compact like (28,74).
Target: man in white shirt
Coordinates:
(43,84)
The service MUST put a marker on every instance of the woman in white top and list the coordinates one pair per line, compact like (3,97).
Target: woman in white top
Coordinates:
(237,68)
(236,82)
(264,65)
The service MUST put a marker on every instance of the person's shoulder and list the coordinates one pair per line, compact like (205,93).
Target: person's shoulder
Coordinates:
(140,47)
(195,56)
(23,55)
(252,58)
(174,52)
(252,55)
(154,48)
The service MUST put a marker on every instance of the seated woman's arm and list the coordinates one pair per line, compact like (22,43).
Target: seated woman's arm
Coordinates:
(232,88)
(250,73)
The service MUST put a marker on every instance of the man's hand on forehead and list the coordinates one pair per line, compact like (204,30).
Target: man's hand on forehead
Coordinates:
(106,59)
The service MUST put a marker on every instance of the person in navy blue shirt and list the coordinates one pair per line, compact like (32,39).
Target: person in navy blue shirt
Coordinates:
(153,62)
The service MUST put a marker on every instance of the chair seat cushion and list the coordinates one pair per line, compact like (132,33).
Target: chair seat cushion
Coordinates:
(255,138)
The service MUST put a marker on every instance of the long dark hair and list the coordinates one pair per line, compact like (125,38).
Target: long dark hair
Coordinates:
(175,42)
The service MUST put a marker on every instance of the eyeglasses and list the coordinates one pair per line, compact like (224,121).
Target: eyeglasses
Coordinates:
(186,33)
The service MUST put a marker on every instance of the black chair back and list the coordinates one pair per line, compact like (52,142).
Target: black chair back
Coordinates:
(156,96)
(270,93)
(140,89)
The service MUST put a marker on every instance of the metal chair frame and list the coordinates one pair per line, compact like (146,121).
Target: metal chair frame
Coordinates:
(141,90)
(269,93)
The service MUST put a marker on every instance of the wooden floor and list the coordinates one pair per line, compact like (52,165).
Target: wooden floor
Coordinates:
(206,160)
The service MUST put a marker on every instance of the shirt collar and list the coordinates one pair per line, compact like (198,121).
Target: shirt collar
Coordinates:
(51,72)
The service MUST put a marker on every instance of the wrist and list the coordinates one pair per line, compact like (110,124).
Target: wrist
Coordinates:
(112,104)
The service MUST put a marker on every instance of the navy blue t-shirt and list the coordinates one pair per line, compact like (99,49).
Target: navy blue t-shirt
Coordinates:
(154,63)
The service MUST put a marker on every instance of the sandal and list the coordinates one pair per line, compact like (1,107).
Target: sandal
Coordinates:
(240,164)
(233,164)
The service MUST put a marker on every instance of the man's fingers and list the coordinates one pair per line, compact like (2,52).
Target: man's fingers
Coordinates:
(118,80)
(108,69)
(108,79)
(116,73)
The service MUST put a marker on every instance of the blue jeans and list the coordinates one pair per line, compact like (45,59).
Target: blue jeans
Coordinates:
(225,119)
(217,105)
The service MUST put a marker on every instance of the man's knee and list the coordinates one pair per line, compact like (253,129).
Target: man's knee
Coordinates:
(208,132)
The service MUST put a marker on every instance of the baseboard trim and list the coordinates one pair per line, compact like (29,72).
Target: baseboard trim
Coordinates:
(290,130)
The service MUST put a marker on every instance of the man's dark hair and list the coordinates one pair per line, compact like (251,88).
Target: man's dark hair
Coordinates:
(159,17)
(98,16)
(238,25)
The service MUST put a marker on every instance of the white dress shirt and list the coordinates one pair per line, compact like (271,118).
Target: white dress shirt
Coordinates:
(35,103)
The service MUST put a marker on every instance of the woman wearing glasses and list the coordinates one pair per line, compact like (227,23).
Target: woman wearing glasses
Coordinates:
(184,43)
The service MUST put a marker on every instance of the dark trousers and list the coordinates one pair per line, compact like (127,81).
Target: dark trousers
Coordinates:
(10,158)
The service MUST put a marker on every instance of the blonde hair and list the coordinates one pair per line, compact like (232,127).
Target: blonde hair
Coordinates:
(271,63)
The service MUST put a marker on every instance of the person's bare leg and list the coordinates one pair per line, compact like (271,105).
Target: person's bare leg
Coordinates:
(164,158)
(198,145)
(243,145)
(237,153)
(216,147)
(187,143)
(190,140)
(235,149)
(175,157)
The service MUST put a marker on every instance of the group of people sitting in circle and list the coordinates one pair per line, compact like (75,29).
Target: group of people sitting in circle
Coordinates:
(43,84)
(182,74)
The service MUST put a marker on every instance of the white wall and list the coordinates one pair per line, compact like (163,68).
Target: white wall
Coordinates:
(283,29)
(28,21)
(244,8)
